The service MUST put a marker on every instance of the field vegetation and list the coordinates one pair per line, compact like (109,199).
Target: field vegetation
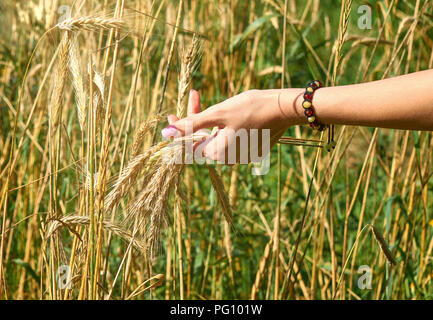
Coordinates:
(85,193)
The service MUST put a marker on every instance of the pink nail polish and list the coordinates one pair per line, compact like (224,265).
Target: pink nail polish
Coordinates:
(169,131)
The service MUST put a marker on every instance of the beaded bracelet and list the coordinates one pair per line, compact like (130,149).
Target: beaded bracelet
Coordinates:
(307,104)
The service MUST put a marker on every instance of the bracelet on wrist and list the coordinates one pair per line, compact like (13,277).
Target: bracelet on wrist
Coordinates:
(309,112)
(307,104)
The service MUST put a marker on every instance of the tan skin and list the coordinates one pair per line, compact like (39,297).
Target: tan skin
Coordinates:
(404,102)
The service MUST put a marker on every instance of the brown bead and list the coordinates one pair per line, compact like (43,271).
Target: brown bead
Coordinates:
(308,112)
(308,96)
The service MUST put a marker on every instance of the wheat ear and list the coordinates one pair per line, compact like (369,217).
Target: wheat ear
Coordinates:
(59,80)
(129,175)
(91,23)
(77,82)
(74,220)
(383,245)
(98,97)
(190,60)
(223,199)
(142,131)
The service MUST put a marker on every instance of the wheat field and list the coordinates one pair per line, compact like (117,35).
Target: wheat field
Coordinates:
(89,209)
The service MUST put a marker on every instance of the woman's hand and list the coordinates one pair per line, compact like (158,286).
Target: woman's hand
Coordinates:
(275,110)
(404,102)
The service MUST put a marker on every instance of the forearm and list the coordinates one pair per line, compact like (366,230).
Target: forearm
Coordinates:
(404,102)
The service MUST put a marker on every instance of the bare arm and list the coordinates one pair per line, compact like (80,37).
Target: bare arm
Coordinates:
(404,102)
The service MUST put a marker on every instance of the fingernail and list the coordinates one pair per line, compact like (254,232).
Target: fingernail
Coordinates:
(169,131)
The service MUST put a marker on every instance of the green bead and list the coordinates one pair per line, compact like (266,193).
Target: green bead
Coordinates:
(311,119)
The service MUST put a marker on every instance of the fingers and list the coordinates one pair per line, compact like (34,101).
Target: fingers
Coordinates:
(194,103)
(228,146)
(215,147)
(202,120)
(194,106)
(172,118)
(218,148)
(195,121)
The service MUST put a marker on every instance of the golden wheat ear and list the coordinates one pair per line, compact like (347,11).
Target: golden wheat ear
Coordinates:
(72,221)
(190,61)
(61,72)
(128,176)
(91,23)
(77,81)
(222,196)
(141,133)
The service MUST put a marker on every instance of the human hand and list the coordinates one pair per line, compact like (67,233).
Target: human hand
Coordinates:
(275,110)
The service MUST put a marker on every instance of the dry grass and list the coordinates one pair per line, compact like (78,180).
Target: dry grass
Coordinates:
(86,178)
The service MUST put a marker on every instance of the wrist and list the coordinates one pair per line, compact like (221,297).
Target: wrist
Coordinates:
(290,105)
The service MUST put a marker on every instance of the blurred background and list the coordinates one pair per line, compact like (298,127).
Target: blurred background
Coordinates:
(352,224)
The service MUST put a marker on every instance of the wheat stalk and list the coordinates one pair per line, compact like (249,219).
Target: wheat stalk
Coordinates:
(383,245)
(159,279)
(344,23)
(152,200)
(164,175)
(60,79)
(72,221)
(142,131)
(161,173)
(91,23)
(157,202)
(98,97)
(77,82)
(129,175)
(221,194)
(160,167)
(190,60)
